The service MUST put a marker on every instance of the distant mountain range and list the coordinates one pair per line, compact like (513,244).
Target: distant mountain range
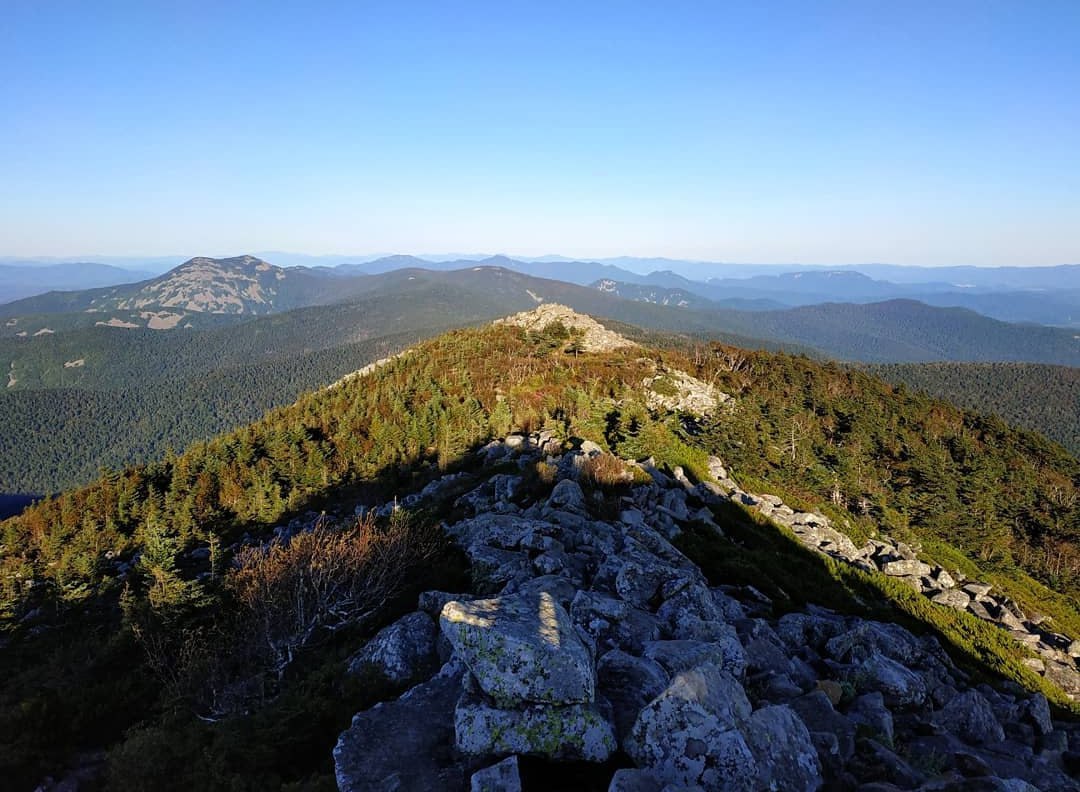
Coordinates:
(216,342)
(841,314)
(1044,295)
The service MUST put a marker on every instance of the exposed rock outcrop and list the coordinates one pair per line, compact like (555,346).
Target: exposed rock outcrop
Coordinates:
(594,336)
(597,638)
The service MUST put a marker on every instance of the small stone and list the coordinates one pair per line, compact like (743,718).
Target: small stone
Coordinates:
(501,777)
(833,689)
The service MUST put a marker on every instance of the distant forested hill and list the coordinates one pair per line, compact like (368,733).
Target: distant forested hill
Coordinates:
(1039,397)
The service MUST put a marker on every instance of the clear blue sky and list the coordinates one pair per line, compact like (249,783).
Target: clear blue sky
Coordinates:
(909,132)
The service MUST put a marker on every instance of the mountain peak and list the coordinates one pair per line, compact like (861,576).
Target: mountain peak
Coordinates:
(595,337)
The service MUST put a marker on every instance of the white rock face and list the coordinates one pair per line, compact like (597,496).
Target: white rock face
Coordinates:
(521,649)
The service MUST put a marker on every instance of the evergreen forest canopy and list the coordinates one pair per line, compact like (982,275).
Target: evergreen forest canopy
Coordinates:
(997,502)
(1042,398)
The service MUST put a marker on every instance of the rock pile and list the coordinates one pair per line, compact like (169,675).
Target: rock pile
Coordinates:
(595,337)
(679,392)
(1059,655)
(590,638)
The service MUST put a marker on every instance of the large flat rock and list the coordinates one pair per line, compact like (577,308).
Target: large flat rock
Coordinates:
(570,731)
(521,648)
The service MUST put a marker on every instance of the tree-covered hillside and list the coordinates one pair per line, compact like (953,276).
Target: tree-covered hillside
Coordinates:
(1042,398)
(85,398)
(99,577)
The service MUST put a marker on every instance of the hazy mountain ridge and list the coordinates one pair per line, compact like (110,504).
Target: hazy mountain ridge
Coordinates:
(1046,295)
(18,281)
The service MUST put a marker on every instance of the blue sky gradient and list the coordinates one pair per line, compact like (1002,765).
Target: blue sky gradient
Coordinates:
(914,133)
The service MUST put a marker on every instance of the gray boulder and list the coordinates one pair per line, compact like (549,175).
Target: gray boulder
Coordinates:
(404,744)
(1037,711)
(403,652)
(567,496)
(572,731)
(817,712)
(870,711)
(613,623)
(953,598)
(690,733)
(628,683)
(493,567)
(521,648)
(786,756)
(899,685)
(501,777)
(676,656)
(971,717)
(905,568)
(866,638)
(631,779)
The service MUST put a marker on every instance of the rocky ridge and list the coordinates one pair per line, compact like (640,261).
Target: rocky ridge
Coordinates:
(595,337)
(592,638)
(1059,655)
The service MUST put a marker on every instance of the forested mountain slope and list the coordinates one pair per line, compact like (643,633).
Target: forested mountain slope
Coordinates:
(982,499)
(910,331)
(82,399)
(187,383)
(1042,398)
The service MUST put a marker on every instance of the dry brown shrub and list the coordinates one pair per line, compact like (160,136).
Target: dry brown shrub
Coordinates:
(605,471)
(325,579)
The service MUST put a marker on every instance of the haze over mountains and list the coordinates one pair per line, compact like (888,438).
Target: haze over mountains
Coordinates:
(216,342)
(1043,295)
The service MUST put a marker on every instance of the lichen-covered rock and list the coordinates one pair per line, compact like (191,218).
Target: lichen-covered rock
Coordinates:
(403,652)
(690,733)
(404,744)
(786,757)
(501,777)
(572,731)
(521,648)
